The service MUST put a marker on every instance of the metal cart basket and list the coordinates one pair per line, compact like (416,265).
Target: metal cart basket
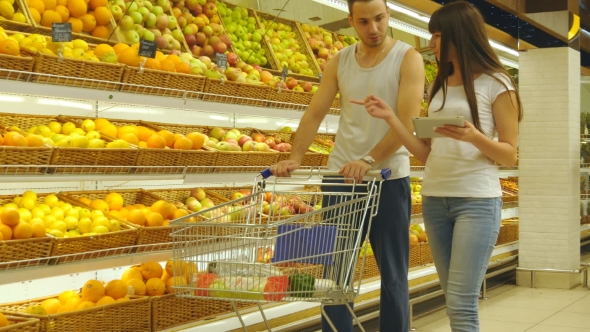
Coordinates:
(277,243)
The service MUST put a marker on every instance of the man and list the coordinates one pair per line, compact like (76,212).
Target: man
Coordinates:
(394,71)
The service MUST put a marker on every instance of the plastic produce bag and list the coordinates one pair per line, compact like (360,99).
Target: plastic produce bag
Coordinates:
(233,268)
(248,288)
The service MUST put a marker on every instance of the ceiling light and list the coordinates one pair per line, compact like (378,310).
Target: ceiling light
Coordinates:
(408,12)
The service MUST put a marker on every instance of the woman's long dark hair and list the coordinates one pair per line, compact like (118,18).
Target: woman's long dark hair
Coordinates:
(461,24)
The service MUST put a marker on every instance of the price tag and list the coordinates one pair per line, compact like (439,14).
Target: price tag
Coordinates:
(320,76)
(61,32)
(147,48)
(221,60)
(284,73)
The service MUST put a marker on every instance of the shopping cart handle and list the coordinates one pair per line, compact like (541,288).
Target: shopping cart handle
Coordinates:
(384,173)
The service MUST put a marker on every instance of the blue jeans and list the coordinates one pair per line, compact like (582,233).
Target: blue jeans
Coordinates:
(390,242)
(462,233)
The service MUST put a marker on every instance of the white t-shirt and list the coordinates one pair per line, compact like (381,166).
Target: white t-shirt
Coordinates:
(459,169)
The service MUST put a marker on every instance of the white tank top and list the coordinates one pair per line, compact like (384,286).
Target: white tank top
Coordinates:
(358,132)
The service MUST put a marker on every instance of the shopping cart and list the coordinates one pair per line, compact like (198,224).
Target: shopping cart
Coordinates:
(286,241)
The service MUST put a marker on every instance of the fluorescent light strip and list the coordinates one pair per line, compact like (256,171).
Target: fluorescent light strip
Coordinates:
(397,24)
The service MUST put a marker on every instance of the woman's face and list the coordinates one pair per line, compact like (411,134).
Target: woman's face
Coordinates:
(435,46)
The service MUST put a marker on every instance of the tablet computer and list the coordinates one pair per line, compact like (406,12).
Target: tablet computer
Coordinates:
(424,127)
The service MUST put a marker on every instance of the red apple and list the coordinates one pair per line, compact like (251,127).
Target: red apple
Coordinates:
(245,192)
(258,137)
(307,86)
(236,195)
(232,59)
(302,208)
(243,140)
(249,146)
(283,147)
(291,83)
(231,141)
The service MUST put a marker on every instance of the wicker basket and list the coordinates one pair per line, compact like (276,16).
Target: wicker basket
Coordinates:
(169,311)
(80,73)
(415,162)
(290,97)
(20,324)
(371,269)
(229,92)
(124,316)
(126,237)
(27,27)
(149,81)
(309,159)
(271,60)
(19,63)
(303,44)
(415,259)
(14,251)
(416,208)
(240,161)
(425,254)
(147,235)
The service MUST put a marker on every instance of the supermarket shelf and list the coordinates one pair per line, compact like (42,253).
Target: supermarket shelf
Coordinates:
(255,317)
(90,261)
(148,96)
(584,227)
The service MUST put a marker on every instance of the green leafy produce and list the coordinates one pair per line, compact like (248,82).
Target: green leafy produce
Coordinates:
(302,284)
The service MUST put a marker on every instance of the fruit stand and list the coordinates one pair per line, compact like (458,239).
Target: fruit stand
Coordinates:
(102,149)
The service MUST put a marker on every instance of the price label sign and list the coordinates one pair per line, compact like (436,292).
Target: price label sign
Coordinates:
(147,48)
(284,73)
(61,32)
(320,77)
(221,60)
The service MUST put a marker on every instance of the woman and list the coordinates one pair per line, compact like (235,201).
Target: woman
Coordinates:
(461,191)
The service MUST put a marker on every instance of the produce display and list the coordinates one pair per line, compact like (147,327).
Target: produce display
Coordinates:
(416,187)
(417,235)
(10,11)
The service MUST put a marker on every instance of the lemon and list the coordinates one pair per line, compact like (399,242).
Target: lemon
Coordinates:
(26,41)
(88,125)
(100,229)
(92,134)
(37,220)
(30,194)
(25,215)
(73,233)
(78,131)
(96,143)
(17,200)
(100,221)
(36,309)
(55,127)
(57,213)
(10,1)
(11,206)
(66,142)
(45,208)
(32,129)
(36,212)
(67,128)
(18,37)
(65,206)
(19,17)
(114,225)
(96,214)
(51,201)
(78,43)
(80,142)
(27,203)
(7,10)
(71,223)
(59,226)
(56,233)
(84,213)
(48,220)
(85,225)
(72,212)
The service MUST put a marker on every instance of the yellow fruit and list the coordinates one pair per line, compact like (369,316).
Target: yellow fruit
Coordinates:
(22,231)
(126,298)
(132,273)
(56,233)
(6,232)
(38,229)
(51,200)
(151,270)
(51,306)
(138,286)
(58,213)
(114,201)
(174,281)
(55,127)
(79,43)
(99,204)
(6,10)
(27,203)
(67,128)
(85,305)
(155,287)
(65,296)
(92,291)
(100,229)
(10,217)
(116,289)
(105,300)
(19,17)
(3,320)
(25,215)
(36,310)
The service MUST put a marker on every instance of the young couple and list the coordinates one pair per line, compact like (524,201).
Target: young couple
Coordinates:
(381,84)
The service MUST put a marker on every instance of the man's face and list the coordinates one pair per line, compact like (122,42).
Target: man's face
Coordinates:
(370,20)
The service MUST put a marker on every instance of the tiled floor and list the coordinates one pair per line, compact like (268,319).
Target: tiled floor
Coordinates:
(515,309)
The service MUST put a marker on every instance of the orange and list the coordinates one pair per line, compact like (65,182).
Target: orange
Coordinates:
(92,291)
(99,51)
(162,207)
(155,287)
(142,144)
(22,231)
(6,232)
(109,130)
(103,15)
(77,24)
(105,300)
(49,4)
(167,136)
(63,12)
(88,22)
(118,49)
(152,64)
(183,143)
(175,281)
(167,65)
(127,129)
(97,3)
(173,209)
(99,204)
(10,217)
(136,217)
(115,201)
(165,276)
(66,295)
(1,139)
(129,56)
(85,200)
(49,17)
(174,58)
(51,306)
(35,15)
(154,219)
(10,47)
(100,122)
(101,32)
(151,270)
(130,138)
(13,138)
(34,140)
(77,8)
(179,213)
(62,2)
(197,138)
(138,286)
(144,133)
(183,67)
(85,305)
(38,229)
(160,56)
(124,212)
(3,320)
(156,142)
(131,273)
(116,289)
(126,298)
(37,4)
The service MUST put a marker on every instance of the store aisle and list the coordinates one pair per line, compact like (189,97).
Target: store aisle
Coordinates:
(515,309)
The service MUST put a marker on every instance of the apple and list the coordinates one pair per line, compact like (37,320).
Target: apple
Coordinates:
(217,133)
(283,147)
(198,193)
(148,35)
(231,141)
(249,146)
(207,203)
(270,142)
(161,42)
(236,195)
(262,147)
(302,208)
(117,12)
(307,86)
(234,146)
(189,199)
(190,40)
(223,146)
(194,206)
(291,83)
(243,140)
(258,137)
(126,23)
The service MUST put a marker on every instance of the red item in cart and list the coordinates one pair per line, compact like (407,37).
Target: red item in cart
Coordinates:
(277,287)
(204,280)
